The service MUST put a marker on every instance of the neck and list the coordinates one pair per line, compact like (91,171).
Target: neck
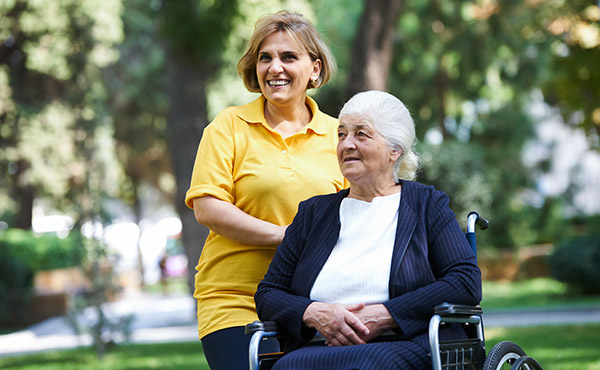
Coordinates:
(369,191)
(288,119)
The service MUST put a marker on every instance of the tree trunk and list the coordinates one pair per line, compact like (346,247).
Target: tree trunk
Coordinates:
(373,45)
(185,122)
(23,194)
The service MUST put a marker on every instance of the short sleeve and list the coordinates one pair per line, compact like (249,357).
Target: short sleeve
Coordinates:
(213,168)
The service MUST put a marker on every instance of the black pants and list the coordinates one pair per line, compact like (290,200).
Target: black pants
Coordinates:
(227,349)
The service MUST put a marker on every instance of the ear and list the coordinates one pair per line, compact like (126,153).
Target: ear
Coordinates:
(395,154)
(316,71)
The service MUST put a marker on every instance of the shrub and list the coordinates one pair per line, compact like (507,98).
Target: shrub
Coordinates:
(22,254)
(576,262)
(46,252)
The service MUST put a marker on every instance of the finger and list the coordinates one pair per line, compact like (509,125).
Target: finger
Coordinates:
(357,326)
(347,336)
(332,342)
(353,338)
(354,306)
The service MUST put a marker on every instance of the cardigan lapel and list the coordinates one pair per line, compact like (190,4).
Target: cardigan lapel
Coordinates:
(326,216)
(407,223)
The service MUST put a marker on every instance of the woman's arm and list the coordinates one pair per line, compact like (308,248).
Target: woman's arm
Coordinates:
(231,222)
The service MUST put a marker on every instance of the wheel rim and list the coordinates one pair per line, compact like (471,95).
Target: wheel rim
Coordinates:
(509,359)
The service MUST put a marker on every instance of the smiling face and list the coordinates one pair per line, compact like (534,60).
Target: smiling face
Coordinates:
(365,157)
(284,69)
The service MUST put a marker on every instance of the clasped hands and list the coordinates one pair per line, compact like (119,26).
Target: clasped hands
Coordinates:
(348,324)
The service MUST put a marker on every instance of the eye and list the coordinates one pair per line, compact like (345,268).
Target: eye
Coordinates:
(289,57)
(361,134)
(341,135)
(264,57)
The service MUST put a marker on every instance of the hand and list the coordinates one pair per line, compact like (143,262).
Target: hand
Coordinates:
(336,323)
(376,318)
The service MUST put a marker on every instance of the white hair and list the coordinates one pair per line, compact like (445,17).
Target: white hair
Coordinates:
(392,120)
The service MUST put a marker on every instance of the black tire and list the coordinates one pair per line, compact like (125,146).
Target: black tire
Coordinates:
(502,356)
(526,363)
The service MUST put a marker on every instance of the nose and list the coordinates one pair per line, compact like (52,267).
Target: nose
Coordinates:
(347,143)
(276,66)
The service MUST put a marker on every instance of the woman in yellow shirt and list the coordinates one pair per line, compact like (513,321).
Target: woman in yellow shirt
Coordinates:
(255,163)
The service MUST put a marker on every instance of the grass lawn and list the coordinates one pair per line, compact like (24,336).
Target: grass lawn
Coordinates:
(536,293)
(564,347)
(136,356)
(568,347)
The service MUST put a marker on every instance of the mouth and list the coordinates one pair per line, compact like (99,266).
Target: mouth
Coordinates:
(350,159)
(278,83)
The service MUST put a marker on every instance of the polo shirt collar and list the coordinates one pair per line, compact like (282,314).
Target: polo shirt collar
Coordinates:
(254,112)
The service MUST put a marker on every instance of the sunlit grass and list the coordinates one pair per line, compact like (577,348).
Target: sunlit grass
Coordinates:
(541,292)
(140,356)
(564,347)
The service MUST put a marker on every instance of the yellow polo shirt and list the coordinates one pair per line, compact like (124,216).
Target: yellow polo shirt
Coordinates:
(242,160)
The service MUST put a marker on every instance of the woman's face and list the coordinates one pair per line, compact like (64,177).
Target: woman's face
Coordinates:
(364,155)
(284,69)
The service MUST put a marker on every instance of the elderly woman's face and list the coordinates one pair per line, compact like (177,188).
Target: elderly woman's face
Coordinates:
(284,68)
(364,155)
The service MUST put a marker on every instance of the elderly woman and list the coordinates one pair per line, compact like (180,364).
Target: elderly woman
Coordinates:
(255,163)
(359,272)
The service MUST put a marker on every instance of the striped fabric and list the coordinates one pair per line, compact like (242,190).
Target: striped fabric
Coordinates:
(404,355)
(432,263)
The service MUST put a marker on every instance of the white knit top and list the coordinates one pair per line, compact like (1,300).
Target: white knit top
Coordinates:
(358,269)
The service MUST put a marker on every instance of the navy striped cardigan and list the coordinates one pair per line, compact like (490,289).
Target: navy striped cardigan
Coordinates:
(432,263)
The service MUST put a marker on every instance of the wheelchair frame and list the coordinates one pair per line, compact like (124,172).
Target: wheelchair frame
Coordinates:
(465,354)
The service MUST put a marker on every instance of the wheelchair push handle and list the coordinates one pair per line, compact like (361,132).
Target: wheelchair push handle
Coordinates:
(475,219)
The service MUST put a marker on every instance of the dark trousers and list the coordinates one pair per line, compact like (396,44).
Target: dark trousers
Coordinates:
(227,349)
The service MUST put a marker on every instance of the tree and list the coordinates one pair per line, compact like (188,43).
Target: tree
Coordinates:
(51,82)
(26,92)
(373,46)
(466,72)
(573,81)
(138,104)
(56,125)
(195,34)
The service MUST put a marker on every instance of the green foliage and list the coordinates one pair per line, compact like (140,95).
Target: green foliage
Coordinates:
(572,82)
(45,252)
(576,262)
(22,254)
(53,100)
(16,278)
(458,169)
(198,29)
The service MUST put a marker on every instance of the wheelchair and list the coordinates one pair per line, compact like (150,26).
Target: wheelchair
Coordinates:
(463,354)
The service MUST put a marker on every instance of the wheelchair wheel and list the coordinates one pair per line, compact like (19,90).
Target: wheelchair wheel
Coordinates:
(502,356)
(526,363)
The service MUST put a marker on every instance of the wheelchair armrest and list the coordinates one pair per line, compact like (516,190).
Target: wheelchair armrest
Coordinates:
(448,313)
(266,326)
(448,309)
(260,330)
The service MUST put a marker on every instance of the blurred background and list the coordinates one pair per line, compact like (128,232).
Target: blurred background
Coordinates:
(103,103)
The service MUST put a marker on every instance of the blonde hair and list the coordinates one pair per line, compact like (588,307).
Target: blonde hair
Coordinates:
(393,121)
(299,29)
